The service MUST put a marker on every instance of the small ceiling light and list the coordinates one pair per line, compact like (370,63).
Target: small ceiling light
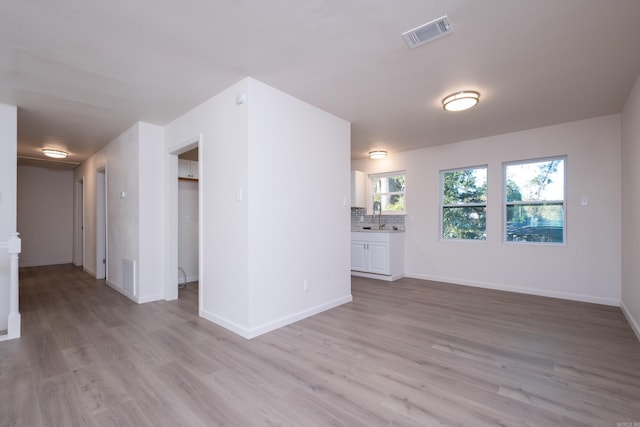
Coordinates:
(377,154)
(55,154)
(460,101)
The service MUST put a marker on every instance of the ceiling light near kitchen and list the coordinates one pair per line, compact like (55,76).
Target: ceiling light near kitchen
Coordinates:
(377,154)
(55,154)
(460,101)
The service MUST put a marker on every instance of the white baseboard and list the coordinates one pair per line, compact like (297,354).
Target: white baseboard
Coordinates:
(122,291)
(132,297)
(28,263)
(249,333)
(89,272)
(150,298)
(227,324)
(635,325)
(520,290)
(377,276)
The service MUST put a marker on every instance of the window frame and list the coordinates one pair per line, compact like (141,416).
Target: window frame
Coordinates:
(462,205)
(563,202)
(373,194)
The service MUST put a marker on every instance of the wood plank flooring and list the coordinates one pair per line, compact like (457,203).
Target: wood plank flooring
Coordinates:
(407,353)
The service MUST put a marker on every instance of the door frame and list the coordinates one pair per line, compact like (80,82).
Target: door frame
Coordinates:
(79,211)
(101,224)
(171,236)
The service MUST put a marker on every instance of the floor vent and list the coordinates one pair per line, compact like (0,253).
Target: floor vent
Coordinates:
(428,32)
(128,275)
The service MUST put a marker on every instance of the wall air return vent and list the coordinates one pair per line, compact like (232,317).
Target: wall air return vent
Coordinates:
(427,32)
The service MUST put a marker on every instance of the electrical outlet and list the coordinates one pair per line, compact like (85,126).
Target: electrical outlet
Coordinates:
(307,285)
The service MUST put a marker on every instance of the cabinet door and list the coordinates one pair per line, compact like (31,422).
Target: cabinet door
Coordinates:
(358,189)
(378,254)
(183,168)
(358,256)
(193,169)
(187,169)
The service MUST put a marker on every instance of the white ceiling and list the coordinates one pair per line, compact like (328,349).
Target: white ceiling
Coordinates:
(83,71)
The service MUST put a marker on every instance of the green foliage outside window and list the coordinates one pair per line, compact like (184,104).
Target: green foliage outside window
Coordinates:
(464,204)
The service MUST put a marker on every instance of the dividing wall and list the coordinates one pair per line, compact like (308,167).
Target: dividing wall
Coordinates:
(631,207)
(264,189)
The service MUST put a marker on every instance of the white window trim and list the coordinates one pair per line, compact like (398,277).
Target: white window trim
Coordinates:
(460,205)
(534,202)
(372,194)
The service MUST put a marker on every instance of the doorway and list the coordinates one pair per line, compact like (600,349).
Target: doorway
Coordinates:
(101,224)
(78,240)
(184,223)
(188,225)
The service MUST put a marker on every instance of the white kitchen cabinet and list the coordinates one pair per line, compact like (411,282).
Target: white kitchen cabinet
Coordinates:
(187,169)
(358,189)
(371,257)
(378,255)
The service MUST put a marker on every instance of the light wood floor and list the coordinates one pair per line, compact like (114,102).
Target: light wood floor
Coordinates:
(411,352)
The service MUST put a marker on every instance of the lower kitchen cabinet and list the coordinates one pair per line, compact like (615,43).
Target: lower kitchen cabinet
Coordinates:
(378,255)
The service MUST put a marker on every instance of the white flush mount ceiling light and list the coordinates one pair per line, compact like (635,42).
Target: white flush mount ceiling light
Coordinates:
(55,154)
(377,154)
(461,101)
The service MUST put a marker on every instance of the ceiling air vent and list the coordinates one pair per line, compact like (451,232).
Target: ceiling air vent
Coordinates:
(427,32)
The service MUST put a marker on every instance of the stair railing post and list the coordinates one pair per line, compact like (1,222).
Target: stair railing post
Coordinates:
(14,245)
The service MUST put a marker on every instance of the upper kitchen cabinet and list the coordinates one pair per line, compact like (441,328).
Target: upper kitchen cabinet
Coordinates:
(187,169)
(358,189)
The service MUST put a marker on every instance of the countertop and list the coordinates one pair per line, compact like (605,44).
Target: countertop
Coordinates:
(375,230)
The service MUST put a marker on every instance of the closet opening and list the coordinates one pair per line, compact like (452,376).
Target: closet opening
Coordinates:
(188,227)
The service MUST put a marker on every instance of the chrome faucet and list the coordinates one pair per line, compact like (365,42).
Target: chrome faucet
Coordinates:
(377,206)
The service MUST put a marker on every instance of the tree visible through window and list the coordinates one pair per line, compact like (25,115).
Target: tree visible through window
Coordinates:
(534,194)
(464,204)
(388,189)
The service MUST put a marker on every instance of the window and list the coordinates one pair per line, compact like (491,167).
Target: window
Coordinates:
(464,203)
(388,189)
(535,201)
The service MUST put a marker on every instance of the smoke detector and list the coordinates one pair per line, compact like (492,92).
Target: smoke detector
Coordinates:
(428,32)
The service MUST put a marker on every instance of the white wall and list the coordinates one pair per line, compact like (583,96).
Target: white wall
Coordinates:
(188,228)
(587,268)
(45,215)
(299,208)
(123,227)
(151,212)
(88,171)
(220,125)
(8,204)
(133,165)
(262,184)
(630,208)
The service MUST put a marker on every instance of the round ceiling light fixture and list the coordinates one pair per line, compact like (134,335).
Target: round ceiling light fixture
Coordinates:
(55,154)
(377,154)
(461,101)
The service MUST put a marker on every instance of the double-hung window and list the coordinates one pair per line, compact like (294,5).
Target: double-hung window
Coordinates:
(464,203)
(535,200)
(388,191)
